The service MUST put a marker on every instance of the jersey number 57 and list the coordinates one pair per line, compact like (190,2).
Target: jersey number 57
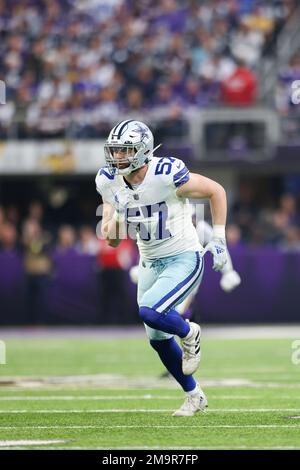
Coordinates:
(160,233)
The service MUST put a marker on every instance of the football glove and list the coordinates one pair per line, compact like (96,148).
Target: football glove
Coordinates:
(217,246)
(230,280)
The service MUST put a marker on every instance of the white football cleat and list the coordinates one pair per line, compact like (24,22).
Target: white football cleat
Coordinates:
(191,352)
(193,403)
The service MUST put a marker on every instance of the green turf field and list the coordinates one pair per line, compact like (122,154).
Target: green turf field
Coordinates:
(105,394)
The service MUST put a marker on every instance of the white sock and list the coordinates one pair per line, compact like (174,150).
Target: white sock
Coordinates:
(189,333)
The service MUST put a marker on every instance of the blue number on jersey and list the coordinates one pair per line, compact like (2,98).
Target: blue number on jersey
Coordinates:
(163,166)
(105,173)
(133,227)
(161,232)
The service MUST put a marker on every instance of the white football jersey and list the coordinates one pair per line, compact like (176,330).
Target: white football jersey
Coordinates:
(159,219)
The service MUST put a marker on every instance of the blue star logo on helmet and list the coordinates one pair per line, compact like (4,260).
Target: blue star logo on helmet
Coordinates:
(143,131)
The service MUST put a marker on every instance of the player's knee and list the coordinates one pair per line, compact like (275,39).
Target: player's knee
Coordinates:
(147,314)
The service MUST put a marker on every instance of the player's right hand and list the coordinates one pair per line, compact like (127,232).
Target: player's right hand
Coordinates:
(121,202)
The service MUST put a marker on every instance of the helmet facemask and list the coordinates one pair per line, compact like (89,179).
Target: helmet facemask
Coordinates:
(131,155)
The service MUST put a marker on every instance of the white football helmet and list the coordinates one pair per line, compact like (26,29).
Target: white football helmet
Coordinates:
(135,140)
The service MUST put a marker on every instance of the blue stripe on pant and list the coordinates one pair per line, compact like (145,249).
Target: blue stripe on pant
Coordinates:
(166,282)
(178,293)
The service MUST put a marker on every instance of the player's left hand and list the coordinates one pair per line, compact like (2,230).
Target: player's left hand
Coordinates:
(230,280)
(217,246)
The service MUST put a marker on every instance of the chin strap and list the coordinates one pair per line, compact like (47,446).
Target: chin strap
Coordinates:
(157,147)
(151,154)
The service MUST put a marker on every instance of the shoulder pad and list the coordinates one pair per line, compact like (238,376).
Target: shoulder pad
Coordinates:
(103,179)
(173,170)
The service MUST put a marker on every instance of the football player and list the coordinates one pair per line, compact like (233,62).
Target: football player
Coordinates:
(149,196)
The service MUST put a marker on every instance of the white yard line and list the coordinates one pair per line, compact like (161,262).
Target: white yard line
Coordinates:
(144,410)
(179,448)
(29,443)
(158,426)
(50,384)
(87,411)
(83,397)
(167,448)
(135,397)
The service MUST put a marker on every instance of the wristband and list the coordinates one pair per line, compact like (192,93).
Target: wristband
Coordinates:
(219,231)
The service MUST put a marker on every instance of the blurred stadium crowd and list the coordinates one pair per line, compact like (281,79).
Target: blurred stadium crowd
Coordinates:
(75,67)
(40,255)
(257,217)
